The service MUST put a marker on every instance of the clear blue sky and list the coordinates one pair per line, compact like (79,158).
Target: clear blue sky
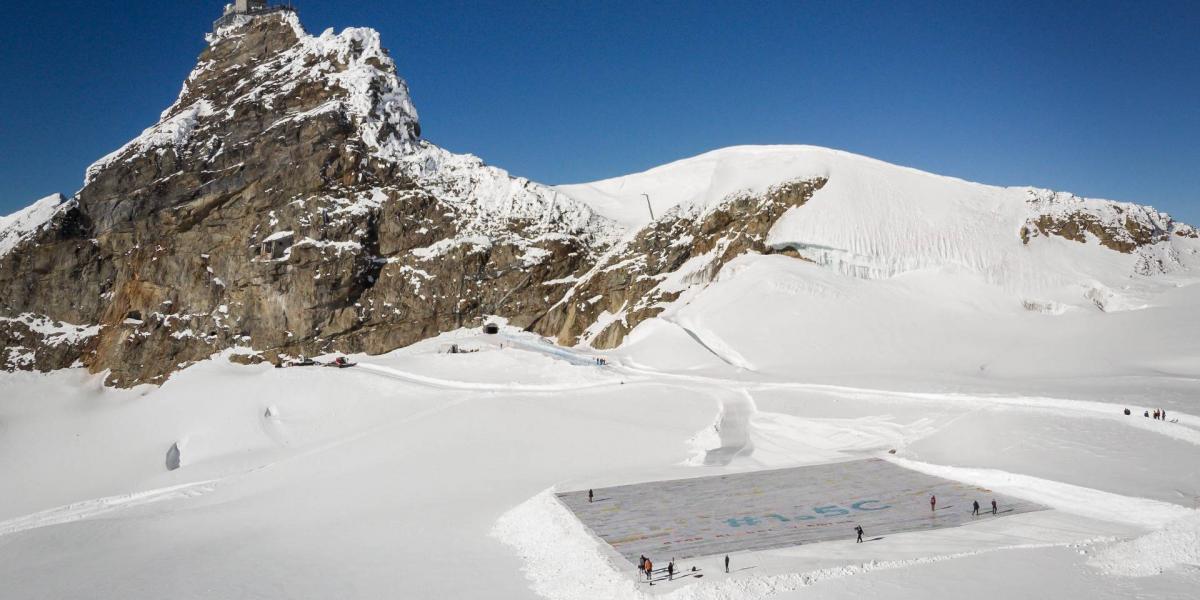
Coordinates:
(1095,98)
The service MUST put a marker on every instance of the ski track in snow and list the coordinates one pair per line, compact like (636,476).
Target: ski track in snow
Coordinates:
(96,507)
(1187,428)
(87,509)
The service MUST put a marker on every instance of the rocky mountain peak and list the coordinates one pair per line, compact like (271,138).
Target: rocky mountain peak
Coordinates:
(258,76)
(286,204)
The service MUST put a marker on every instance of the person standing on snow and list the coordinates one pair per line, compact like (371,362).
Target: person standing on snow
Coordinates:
(975,508)
(993,506)
(726,563)
(932,503)
(590,496)
(671,570)
(649,569)
(642,564)
(858,529)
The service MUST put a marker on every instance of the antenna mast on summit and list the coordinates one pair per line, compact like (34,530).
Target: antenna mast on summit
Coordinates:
(651,208)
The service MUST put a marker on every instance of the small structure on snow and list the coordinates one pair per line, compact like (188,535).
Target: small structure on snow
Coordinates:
(248,8)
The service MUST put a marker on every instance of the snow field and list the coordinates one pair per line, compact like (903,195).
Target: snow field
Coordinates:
(405,471)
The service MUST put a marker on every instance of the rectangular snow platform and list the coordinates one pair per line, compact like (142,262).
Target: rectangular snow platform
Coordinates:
(774,509)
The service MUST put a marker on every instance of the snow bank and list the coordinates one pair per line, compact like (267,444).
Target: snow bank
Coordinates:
(1177,543)
(562,560)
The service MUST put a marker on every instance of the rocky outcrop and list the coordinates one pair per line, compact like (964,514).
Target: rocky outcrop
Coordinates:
(1118,226)
(682,250)
(29,341)
(286,203)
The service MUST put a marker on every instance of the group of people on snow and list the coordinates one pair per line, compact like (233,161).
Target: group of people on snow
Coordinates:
(1159,414)
(974,506)
(646,567)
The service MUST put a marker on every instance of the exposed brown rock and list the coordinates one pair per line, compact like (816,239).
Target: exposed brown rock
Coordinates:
(167,249)
(628,287)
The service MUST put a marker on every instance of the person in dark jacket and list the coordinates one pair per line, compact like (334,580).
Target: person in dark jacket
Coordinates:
(590,496)
(975,508)
(932,503)
(726,563)
(671,570)
(859,530)
(993,506)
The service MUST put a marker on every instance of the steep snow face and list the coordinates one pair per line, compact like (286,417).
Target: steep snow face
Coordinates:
(875,220)
(487,197)
(18,226)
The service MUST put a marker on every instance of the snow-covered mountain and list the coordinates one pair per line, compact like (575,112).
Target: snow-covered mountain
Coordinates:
(787,310)
(1046,251)
(287,203)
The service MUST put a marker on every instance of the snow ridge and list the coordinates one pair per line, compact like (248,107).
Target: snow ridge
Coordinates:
(19,226)
(875,220)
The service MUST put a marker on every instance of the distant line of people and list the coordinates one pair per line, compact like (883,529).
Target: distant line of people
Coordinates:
(1159,414)
(974,506)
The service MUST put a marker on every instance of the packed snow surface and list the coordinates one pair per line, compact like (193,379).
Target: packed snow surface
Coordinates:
(390,476)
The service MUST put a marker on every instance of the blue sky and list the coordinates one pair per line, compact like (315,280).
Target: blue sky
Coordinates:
(1095,98)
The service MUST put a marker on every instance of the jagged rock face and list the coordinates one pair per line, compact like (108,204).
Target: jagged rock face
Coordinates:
(30,340)
(284,203)
(682,250)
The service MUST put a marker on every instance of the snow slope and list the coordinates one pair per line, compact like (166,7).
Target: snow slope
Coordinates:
(18,226)
(874,220)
